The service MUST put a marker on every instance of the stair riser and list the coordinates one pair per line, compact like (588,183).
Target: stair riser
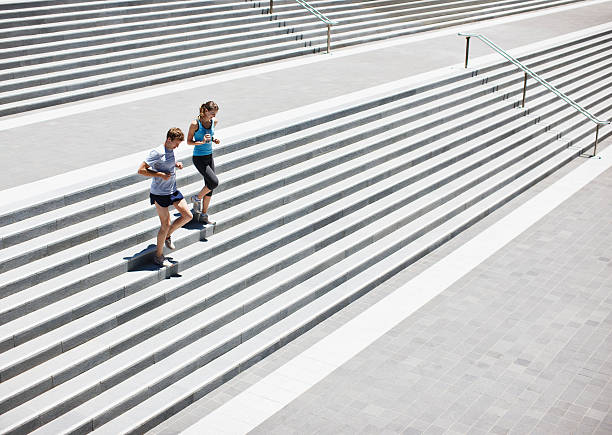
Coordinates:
(589,134)
(84,4)
(534,89)
(41,17)
(97,27)
(13,40)
(148,47)
(71,198)
(157,66)
(561,60)
(335,11)
(30,46)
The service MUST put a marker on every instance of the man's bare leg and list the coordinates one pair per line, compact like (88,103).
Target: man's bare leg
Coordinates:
(186,216)
(164,218)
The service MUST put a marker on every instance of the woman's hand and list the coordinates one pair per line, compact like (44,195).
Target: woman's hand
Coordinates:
(217,141)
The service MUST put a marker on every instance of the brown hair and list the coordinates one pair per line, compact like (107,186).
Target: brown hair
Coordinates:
(175,133)
(209,105)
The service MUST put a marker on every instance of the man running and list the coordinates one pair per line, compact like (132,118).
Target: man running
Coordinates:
(161,165)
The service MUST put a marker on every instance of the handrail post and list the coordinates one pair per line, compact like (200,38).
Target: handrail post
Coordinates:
(596,138)
(328,37)
(524,89)
(271,6)
(467,50)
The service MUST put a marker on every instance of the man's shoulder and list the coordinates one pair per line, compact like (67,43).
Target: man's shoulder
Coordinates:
(156,152)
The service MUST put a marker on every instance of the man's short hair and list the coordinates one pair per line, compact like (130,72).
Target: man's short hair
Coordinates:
(175,133)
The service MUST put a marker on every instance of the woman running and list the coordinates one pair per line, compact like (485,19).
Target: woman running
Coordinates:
(201,136)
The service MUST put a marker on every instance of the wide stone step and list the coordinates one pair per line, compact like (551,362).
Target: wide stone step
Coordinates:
(61,13)
(40,34)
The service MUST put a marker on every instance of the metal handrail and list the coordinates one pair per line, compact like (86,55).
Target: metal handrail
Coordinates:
(539,79)
(317,14)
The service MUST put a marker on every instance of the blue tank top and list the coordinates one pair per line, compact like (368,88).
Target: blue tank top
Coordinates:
(198,136)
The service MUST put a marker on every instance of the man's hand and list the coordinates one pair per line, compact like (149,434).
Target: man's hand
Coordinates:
(164,175)
(217,141)
(179,165)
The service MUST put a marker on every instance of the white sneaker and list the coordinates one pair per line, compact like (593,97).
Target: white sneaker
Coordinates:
(161,261)
(204,219)
(197,204)
(169,243)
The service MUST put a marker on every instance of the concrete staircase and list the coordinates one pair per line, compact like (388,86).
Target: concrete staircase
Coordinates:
(310,216)
(58,52)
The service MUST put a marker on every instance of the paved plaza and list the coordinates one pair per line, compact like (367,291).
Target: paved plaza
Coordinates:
(522,344)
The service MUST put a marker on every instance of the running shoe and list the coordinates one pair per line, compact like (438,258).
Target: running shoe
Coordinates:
(197,204)
(204,219)
(169,243)
(161,261)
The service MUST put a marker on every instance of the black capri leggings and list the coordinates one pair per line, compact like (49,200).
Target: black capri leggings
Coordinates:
(206,166)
